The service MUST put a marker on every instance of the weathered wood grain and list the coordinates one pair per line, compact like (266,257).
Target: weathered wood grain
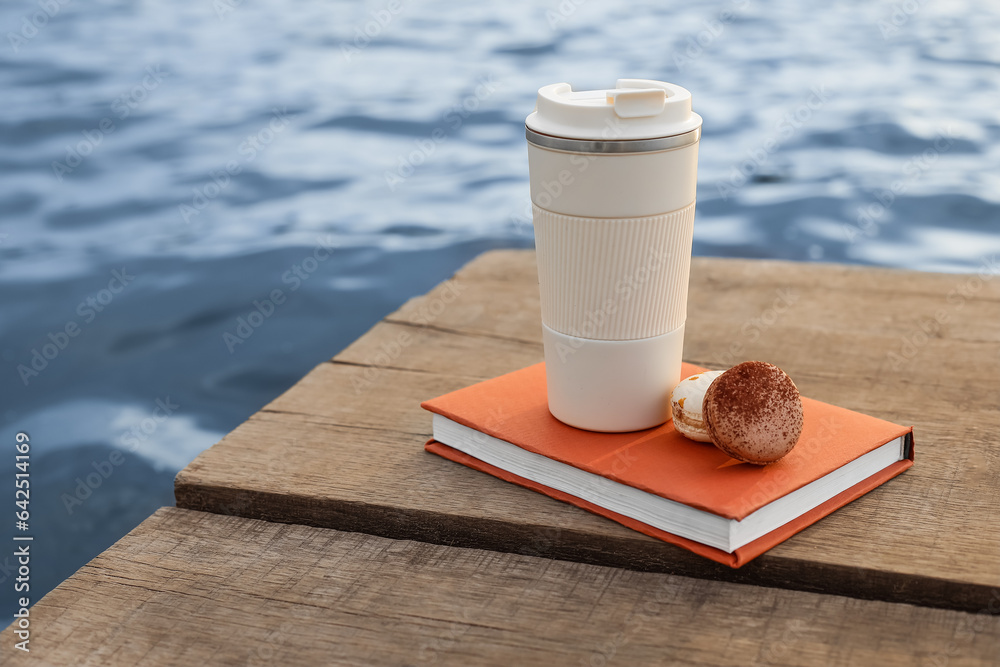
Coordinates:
(190,588)
(342,449)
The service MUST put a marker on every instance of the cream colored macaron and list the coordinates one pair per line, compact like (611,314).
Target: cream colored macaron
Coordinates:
(686,403)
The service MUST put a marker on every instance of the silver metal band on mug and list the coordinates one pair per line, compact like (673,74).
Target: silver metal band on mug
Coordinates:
(613,146)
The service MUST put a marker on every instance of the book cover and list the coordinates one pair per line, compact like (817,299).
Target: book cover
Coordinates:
(661,461)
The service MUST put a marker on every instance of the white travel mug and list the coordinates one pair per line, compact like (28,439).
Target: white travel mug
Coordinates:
(613,175)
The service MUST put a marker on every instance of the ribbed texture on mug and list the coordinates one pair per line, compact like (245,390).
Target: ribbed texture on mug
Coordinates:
(614,278)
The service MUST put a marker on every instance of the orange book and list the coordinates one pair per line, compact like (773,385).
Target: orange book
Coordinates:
(660,483)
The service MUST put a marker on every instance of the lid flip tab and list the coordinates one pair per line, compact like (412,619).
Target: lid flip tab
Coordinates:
(637,102)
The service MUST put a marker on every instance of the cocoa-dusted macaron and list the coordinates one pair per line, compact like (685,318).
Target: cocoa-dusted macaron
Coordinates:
(753,412)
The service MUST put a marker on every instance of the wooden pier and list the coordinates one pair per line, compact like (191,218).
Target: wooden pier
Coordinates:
(320,532)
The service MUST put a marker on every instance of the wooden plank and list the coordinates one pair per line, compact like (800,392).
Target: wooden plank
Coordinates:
(189,588)
(342,449)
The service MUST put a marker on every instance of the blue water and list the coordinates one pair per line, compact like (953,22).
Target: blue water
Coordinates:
(162,167)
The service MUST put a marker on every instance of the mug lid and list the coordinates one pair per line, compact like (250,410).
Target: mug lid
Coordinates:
(633,109)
